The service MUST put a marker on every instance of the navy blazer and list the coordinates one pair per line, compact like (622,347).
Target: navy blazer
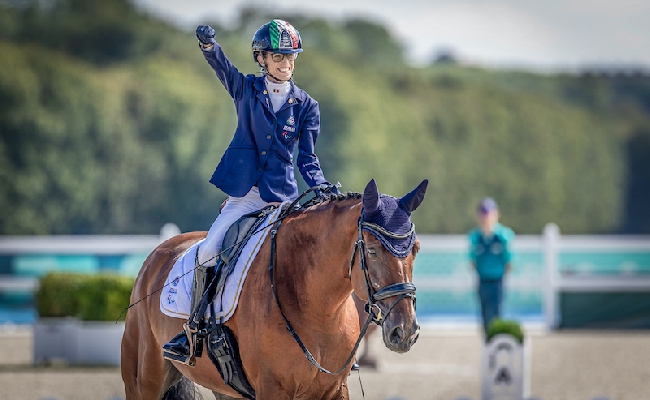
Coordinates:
(261,151)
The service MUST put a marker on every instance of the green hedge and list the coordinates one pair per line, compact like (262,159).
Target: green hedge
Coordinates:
(87,297)
(509,327)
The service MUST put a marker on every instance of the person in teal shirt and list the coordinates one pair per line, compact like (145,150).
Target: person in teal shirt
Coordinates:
(489,252)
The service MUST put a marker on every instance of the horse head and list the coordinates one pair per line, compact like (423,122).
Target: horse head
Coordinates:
(388,244)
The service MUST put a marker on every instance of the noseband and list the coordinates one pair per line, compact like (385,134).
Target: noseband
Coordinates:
(402,289)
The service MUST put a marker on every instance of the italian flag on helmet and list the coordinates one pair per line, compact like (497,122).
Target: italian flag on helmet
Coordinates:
(277,36)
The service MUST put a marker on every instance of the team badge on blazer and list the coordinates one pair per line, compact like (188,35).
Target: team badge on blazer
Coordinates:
(288,128)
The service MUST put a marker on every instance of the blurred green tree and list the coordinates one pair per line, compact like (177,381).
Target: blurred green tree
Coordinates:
(111,122)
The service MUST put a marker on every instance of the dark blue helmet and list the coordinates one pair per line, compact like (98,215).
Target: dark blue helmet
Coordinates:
(277,36)
(487,205)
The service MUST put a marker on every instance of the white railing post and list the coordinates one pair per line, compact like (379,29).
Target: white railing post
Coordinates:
(551,260)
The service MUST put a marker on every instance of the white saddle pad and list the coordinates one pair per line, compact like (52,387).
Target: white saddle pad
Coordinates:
(176,296)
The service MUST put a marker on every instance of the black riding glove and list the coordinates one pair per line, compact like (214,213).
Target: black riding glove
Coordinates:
(326,189)
(205,35)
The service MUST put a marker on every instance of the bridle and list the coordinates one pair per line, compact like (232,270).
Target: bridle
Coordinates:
(401,289)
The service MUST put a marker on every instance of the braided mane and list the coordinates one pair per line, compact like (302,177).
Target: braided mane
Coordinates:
(330,198)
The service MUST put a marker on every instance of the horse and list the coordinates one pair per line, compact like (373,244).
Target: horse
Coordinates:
(321,255)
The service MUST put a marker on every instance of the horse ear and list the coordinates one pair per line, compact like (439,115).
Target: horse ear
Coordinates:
(370,197)
(412,200)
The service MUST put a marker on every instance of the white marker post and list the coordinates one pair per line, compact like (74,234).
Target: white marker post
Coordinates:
(503,369)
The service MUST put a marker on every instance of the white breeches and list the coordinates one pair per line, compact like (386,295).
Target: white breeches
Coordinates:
(234,208)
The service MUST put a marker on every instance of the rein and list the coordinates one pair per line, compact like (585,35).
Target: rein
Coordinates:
(402,290)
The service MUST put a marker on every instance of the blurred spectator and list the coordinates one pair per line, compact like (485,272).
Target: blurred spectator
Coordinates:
(489,252)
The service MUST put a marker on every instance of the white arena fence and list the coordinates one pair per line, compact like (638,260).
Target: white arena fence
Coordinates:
(546,268)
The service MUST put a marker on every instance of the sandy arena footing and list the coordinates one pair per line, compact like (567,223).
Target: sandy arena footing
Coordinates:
(444,364)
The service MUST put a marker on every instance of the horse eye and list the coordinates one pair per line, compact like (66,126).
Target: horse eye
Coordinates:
(372,252)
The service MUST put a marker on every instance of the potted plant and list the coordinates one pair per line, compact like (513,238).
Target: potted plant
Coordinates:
(77,318)
(503,372)
(500,326)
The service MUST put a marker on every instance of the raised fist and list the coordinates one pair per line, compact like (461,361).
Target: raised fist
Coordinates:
(205,34)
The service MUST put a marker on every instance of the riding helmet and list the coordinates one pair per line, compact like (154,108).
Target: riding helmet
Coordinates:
(277,36)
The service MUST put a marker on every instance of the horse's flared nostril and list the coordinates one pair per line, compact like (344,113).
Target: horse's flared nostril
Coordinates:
(396,335)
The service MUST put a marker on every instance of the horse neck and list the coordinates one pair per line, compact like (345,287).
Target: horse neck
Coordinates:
(319,246)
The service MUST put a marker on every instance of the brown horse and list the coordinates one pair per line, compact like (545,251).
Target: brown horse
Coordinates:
(323,253)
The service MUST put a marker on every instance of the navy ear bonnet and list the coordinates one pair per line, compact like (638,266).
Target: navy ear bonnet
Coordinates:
(389,219)
(395,220)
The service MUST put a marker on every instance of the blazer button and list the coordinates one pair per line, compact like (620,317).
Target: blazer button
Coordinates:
(268,136)
(264,153)
(259,169)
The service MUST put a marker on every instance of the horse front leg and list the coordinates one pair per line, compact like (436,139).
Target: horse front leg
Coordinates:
(344,394)
(340,393)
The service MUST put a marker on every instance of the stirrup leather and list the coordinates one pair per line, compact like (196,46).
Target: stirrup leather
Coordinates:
(191,340)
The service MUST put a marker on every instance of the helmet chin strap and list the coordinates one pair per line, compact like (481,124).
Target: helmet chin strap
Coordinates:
(265,71)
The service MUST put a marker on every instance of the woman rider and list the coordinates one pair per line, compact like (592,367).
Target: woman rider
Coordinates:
(274,116)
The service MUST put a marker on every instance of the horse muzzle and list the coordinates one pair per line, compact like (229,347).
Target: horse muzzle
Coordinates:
(400,337)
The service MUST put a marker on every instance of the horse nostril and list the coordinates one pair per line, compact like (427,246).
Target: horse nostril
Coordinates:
(396,335)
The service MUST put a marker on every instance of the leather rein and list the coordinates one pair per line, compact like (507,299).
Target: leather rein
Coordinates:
(402,289)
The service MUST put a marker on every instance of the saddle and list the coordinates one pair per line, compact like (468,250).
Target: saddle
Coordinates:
(238,234)
(221,343)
